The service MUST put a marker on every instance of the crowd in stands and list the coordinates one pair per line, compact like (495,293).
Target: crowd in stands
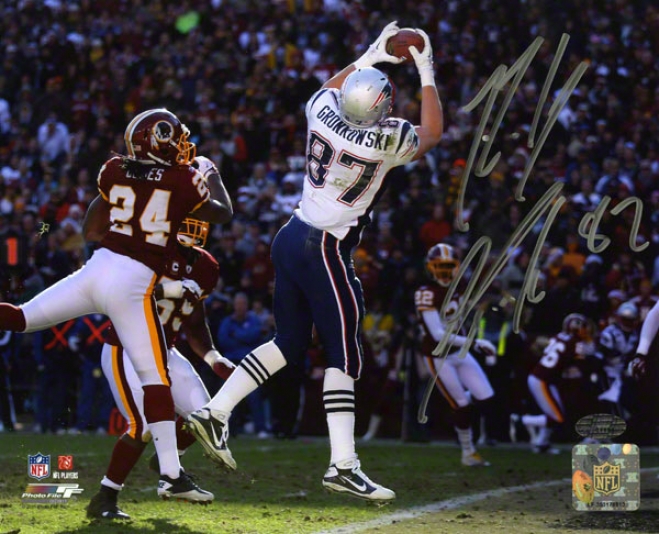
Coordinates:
(238,73)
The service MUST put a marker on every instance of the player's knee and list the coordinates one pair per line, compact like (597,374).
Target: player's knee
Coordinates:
(152,377)
(292,349)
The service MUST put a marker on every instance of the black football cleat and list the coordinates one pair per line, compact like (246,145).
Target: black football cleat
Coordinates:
(104,506)
(183,488)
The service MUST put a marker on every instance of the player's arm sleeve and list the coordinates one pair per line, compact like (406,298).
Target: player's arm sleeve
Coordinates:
(606,346)
(97,220)
(436,328)
(408,143)
(197,332)
(103,181)
(649,330)
(314,98)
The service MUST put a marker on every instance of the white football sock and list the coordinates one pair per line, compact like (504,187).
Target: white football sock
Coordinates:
(107,482)
(466,441)
(255,368)
(339,401)
(164,439)
(534,420)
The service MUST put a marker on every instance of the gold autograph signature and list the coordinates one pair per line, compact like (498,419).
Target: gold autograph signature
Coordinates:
(547,207)
(44,228)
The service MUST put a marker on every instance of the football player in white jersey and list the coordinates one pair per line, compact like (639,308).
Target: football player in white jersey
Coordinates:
(352,143)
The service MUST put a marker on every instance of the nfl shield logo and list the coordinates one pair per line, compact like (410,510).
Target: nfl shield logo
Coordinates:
(38,466)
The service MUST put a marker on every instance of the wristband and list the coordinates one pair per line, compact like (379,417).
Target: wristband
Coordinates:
(427,75)
(212,356)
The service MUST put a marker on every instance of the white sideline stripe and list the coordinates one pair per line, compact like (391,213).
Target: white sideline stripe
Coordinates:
(448,504)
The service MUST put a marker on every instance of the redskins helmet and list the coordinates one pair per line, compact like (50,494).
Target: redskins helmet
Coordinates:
(442,264)
(366,97)
(158,135)
(193,232)
(577,325)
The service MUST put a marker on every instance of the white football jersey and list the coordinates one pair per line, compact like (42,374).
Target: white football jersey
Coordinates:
(346,166)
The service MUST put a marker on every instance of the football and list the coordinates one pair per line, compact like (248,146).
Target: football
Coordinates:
(398,44)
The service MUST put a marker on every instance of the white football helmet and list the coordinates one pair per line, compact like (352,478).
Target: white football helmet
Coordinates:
(366,97)
(627,316)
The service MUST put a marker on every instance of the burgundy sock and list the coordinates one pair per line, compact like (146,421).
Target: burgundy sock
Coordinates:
(125,455)
(158,404)
(183,438)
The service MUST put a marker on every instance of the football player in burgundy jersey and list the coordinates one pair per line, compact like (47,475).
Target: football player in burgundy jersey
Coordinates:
(568,347)
(143,199)
(352,143)
(190,275)
(457,378)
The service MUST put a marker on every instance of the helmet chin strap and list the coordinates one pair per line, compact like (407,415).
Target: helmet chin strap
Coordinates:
(158,160)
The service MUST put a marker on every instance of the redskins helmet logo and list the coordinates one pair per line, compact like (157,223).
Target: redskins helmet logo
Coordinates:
(163,131)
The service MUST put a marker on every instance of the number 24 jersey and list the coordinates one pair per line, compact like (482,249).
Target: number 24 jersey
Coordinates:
(147,212)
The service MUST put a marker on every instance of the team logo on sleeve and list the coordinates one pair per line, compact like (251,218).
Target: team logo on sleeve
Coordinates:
(38,466)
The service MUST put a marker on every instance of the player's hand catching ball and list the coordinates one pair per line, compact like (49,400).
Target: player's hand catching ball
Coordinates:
(377,52)
(423,60)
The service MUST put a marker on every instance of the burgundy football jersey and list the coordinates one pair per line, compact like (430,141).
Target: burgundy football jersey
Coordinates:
(431,297)
(147,212)
(558,354)
(173,312)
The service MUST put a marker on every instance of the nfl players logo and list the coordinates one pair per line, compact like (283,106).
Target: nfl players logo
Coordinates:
(65,462)
(38,466)
(606,478)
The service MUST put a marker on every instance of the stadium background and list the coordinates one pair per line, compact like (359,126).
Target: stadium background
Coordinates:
(72,74)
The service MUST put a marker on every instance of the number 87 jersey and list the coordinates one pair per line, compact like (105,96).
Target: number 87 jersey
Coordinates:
(346,166)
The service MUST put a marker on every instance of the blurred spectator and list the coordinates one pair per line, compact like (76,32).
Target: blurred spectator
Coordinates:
(94,396)
(239,333)
(57,372)
(436,229)
(54,142)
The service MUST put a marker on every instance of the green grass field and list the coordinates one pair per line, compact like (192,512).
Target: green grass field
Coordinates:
(277,490)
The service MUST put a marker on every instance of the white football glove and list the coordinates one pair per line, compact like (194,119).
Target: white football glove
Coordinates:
(175,289)
(423,60)
(485,346)
(377,52)
(205,166)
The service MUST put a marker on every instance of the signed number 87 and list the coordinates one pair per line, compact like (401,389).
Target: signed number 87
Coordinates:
(321,157)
